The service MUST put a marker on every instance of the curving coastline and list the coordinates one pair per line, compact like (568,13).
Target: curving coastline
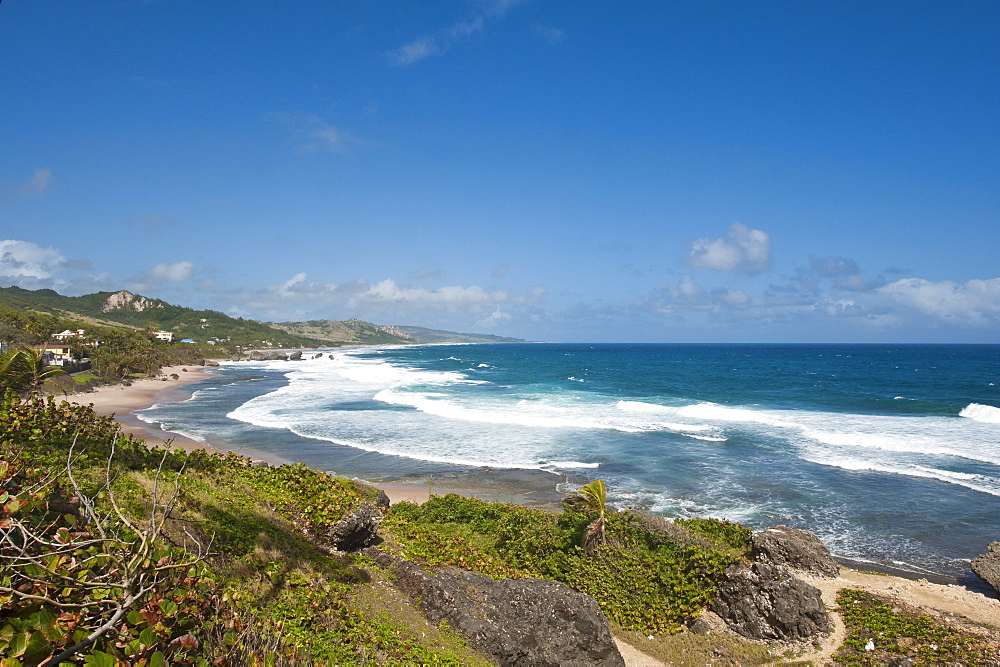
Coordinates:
(123,401)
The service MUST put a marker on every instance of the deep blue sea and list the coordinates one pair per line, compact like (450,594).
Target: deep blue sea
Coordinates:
(890,453)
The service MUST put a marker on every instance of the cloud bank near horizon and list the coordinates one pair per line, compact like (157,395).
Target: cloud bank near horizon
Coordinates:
(824,288)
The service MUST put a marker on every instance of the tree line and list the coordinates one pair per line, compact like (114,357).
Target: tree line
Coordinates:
(115,354)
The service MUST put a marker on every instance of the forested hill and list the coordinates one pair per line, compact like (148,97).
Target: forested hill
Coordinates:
(126,310)
(132,311)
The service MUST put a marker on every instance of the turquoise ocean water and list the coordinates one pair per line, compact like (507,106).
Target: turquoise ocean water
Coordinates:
(891,453)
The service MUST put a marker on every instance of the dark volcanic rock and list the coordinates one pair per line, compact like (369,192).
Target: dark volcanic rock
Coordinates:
(529,622)
(763,601)
(987,566)
(793,548)
(295,356)
(356,530)
(257,355)
(381,500)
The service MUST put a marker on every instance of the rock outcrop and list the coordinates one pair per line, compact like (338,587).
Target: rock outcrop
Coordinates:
(987,566)
(795,549)
(516,622)
(356,530)
(763,601)
(257,355)
(125,300)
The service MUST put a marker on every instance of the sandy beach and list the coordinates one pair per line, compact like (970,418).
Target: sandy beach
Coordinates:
(121,402)
(940,601)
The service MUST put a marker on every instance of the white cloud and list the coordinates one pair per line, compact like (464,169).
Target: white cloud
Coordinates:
(178,272)
(38,184)
(299,291)
(162,273)
(688,290)
(976,302)
(846,270)
(496,318)
(388,290)
(833,267)
(22,259)
(442,40)
(742,250)
(310,132)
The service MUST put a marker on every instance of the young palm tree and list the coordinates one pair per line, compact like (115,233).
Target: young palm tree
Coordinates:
(594,496)
(24,370)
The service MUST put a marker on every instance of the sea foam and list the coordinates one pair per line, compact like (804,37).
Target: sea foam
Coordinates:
(981,413)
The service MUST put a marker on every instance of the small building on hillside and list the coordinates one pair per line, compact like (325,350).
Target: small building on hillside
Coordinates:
(56,354)
(166,336)
(69,335)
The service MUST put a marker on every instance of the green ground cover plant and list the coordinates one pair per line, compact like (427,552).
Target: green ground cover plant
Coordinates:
(644,579)
(139,556)
(116,554)
(881,631)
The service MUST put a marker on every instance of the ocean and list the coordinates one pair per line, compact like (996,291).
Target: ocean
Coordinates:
(890,453)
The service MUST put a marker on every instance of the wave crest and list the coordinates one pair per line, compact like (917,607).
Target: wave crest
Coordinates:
(981,413)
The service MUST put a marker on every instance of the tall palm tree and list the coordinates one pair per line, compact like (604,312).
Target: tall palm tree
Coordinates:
(594,496)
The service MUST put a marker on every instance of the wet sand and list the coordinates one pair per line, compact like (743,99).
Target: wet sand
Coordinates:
(121,401)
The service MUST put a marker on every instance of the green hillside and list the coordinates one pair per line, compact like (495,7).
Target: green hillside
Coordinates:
(356,332)
(123,309)
(422,335)
(126,310)
(348,332)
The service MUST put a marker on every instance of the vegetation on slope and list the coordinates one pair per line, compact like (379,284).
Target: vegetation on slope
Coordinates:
(122,354)
(348,332)
(129,311)
(121,554)
(648,574)
(882,631)
(150,557)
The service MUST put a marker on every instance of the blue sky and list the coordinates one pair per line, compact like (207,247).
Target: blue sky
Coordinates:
(576,171)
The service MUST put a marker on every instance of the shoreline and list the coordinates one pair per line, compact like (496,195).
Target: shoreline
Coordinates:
(123,401)
(516,486)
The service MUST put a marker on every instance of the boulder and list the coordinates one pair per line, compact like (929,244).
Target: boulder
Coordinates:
(295,356)
(707,623)
(381,499)
(356,530)
(516,622)
(987,566)
(763,601)
(257,355)
(795,549)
